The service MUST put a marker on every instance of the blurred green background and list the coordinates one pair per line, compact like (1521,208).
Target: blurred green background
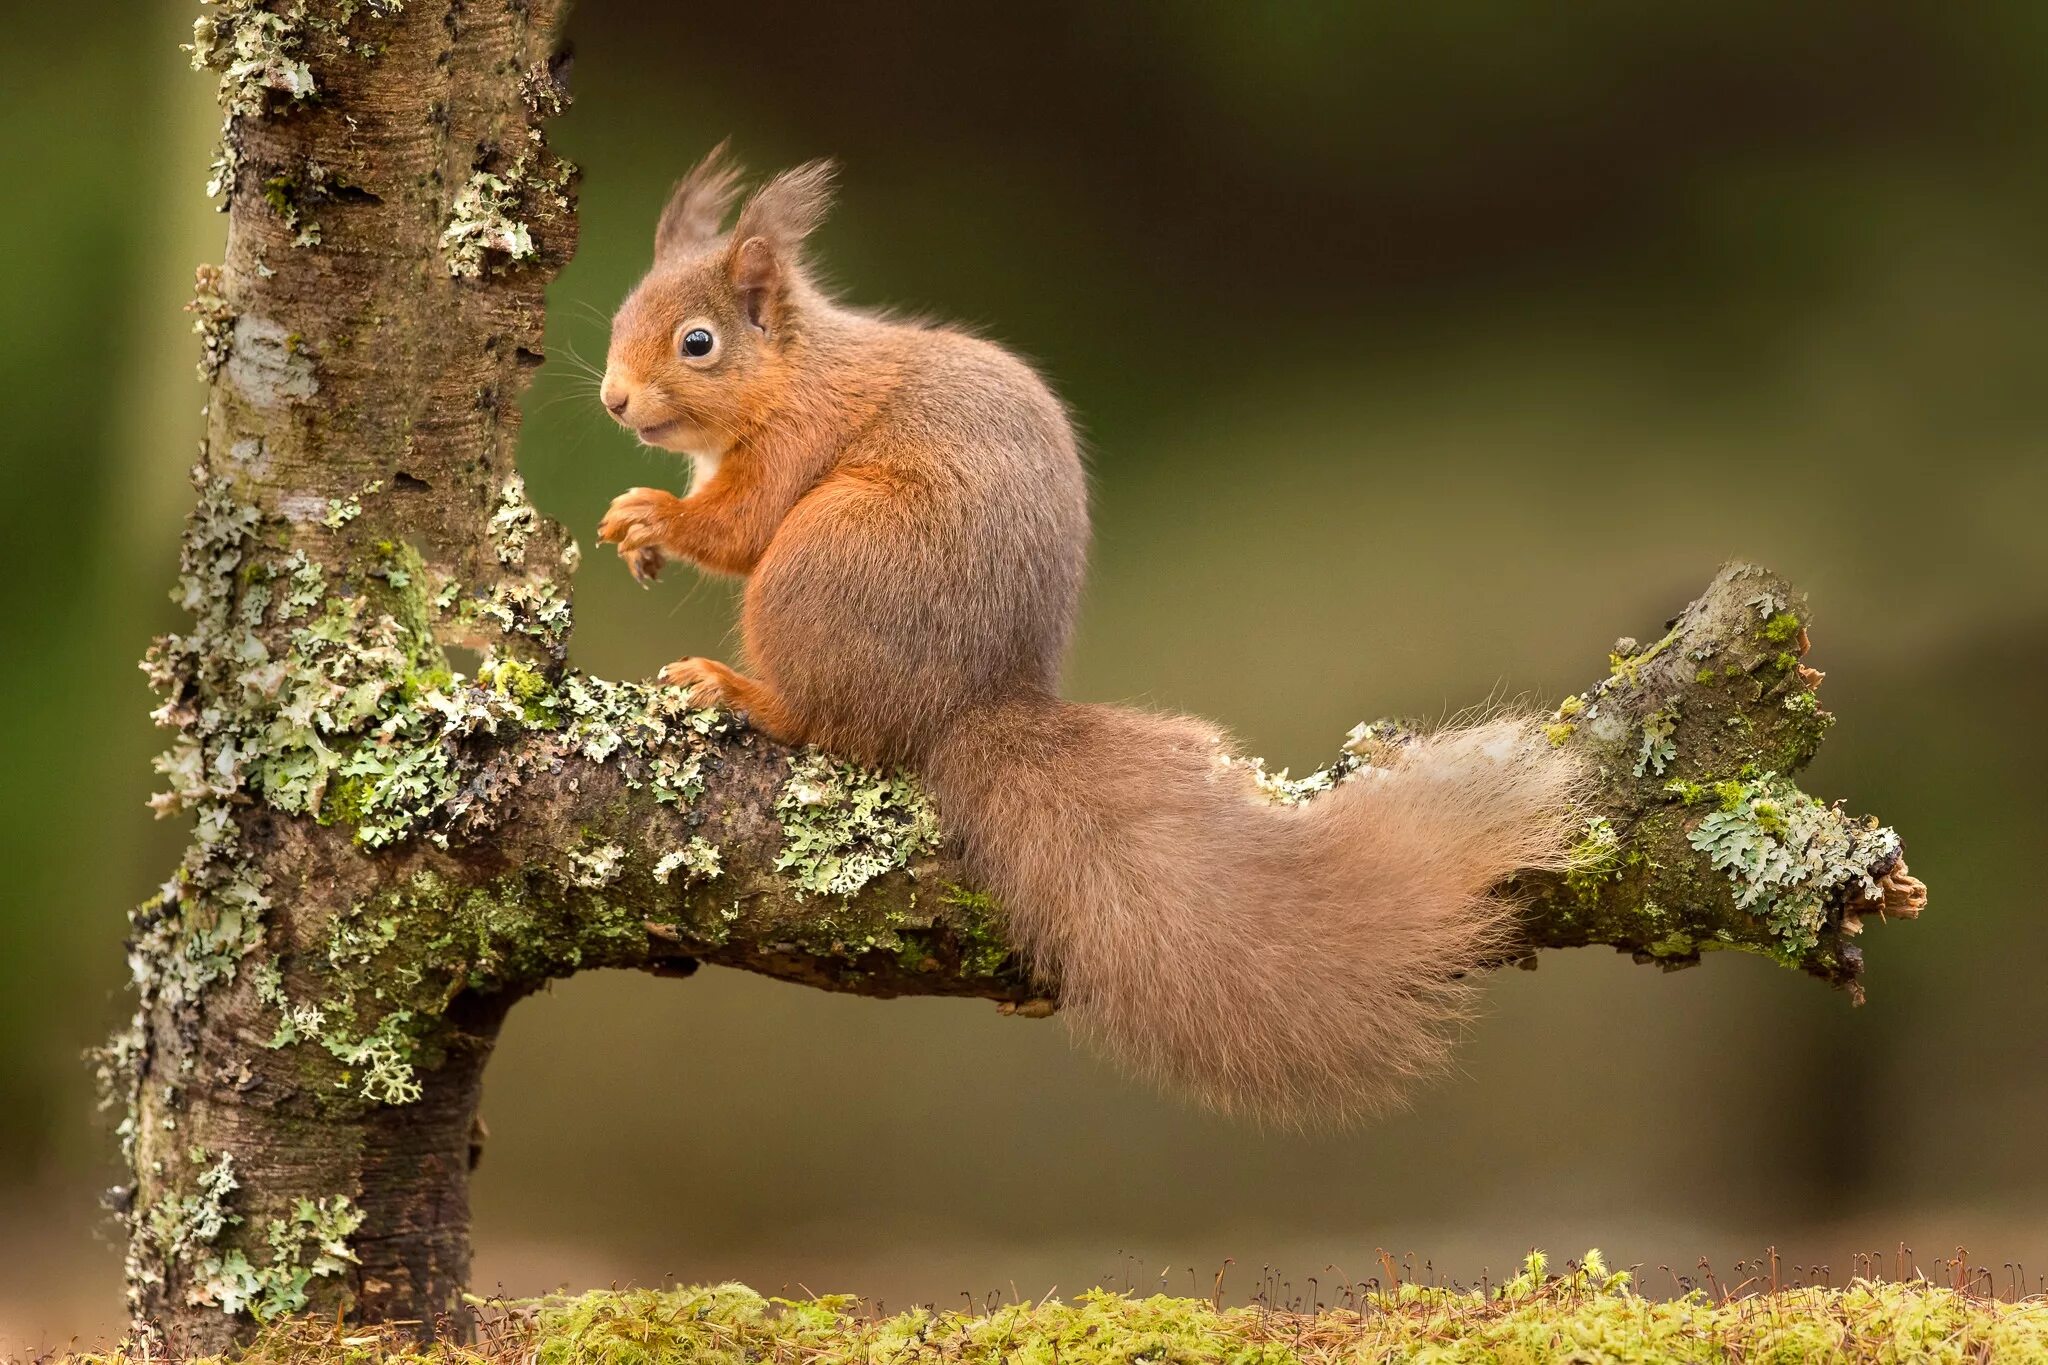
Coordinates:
(1423,350)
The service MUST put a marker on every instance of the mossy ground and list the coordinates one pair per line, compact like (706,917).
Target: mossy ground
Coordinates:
(1589,1314)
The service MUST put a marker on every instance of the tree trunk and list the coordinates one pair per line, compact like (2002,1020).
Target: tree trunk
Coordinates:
(394,215)
(387,855)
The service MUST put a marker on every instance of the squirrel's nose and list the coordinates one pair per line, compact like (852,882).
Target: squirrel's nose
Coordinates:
(614,395)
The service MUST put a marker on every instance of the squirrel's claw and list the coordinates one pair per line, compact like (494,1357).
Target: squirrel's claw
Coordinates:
(644,564)
(632,523)
(704,679)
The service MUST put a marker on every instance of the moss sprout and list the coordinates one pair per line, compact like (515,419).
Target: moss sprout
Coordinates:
(1584,1311)
(1594,860)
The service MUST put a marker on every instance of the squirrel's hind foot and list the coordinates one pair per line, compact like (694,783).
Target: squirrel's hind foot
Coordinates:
(713,684)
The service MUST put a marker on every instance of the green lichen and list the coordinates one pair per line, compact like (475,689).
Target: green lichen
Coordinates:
(257,49)
(1790,858)
(483,229)
(1658,749)
(513,522)
(377,1059)
(596,867)
(698,860)
(185,1230)
(213,321)
(182,1227)
(843,825)
(259,54)
(310,1243)
(341,511)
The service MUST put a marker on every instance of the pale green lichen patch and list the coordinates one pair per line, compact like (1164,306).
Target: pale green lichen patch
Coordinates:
(293,195)
(533,608)
(596,867)
(257,49)
(181,1228)
(1279,788)
(310,1243)
(377,1061)
(483,226)
(698,860)
(513,522)
(259,54)
(1804,704)
(260,49)
(185,1229)
(1790,858)
(1369,744)
(213,320)
(1658,749)
(843,825)
(487,231)
(341,511)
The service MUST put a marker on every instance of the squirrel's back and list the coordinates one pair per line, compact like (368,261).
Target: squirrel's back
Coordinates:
(940,563)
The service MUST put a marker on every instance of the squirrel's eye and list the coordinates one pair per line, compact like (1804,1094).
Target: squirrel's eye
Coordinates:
(698,343)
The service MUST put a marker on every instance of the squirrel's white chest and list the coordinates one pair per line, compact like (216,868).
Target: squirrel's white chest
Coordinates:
(703,464)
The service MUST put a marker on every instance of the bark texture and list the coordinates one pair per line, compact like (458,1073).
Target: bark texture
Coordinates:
(387,855)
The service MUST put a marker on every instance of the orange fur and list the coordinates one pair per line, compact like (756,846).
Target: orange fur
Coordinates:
(908,507)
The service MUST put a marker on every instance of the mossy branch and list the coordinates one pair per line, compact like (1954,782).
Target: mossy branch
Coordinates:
(790,864)
(1698,839)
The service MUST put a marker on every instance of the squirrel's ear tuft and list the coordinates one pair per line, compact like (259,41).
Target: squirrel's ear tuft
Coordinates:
(786,209)
(698,205)
(768,239)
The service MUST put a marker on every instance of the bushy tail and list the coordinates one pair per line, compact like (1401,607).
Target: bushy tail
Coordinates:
(1301,964)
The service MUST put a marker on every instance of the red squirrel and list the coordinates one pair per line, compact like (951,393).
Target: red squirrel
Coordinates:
(907,505)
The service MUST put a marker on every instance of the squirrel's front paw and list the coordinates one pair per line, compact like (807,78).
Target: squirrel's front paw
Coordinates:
(706,679)
(638,523)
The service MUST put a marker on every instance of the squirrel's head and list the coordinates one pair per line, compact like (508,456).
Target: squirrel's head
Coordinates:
(701,348)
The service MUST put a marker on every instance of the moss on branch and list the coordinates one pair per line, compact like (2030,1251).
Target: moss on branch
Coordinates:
(1698,840)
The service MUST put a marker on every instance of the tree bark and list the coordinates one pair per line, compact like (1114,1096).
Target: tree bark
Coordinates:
(387,855)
